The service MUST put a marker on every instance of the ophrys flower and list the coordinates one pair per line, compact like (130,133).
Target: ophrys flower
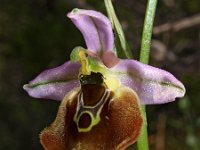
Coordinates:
(101,93)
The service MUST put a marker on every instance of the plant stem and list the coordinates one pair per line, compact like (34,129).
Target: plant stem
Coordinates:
(147,31)
(123,49)
(142,143)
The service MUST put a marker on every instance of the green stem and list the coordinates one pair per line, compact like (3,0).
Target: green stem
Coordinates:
(142,142)
(147,31)
(123,50)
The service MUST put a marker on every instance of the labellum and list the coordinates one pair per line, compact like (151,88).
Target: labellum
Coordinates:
(94,117)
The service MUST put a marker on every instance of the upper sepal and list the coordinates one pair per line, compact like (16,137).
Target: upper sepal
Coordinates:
(153,85)
(95,27)
(54,83)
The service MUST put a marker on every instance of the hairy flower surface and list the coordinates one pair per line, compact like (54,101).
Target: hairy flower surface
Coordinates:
(101,94)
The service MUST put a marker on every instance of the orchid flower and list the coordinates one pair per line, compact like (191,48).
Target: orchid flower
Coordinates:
(101,94)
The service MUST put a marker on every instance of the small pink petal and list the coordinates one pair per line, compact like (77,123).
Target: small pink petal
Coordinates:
(109,59)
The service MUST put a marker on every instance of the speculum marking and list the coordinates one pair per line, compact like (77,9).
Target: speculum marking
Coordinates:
(88,116)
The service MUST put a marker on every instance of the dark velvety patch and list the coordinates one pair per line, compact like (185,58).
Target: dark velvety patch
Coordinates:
(92,93)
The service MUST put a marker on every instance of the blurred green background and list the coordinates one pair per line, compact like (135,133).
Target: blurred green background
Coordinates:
(35,35)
